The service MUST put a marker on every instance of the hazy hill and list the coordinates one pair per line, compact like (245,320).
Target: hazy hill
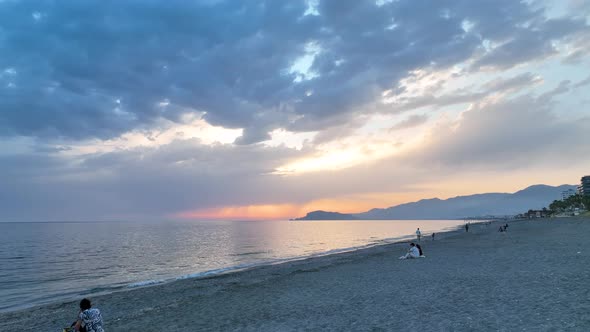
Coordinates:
(325,215)
(497,204)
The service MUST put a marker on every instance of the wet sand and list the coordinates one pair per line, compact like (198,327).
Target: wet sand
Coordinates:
(535,277)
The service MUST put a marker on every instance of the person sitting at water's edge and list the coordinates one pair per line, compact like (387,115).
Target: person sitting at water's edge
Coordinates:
(89,319)
(413,252)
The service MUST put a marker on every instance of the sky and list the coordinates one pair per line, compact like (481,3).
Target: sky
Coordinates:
(212,109)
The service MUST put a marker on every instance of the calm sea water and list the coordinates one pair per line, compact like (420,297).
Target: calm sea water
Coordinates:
(49,262)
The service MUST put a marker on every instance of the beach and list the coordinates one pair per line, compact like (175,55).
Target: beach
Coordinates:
(534,277)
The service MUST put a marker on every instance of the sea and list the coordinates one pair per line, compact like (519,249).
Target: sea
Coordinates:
(49,262)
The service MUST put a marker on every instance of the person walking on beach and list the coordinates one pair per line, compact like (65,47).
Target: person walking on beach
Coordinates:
(433,233)
(418,233)
(413,252)
(467,227)
(89,319)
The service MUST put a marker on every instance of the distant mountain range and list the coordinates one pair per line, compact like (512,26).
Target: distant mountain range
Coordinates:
(479,205)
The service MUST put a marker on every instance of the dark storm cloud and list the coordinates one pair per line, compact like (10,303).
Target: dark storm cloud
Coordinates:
(100,68)
(80,69)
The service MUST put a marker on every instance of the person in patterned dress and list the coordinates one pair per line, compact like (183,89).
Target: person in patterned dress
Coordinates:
(89,319)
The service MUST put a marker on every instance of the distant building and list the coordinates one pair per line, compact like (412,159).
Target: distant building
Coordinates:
(567,194)
(584,188)
(532,214)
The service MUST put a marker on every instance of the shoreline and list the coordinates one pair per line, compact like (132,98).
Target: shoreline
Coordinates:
(231,270)
(278,297)
(110,289)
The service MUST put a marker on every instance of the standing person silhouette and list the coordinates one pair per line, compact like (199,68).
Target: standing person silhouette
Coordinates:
(467,227)
(418,233)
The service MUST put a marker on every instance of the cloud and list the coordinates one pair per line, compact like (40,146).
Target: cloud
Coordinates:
(507,134)
(411,121)
(186,175)
(97,69)
(181,175)
(582,83)
(111,110)
(435,95)
(532,43)
(517,82)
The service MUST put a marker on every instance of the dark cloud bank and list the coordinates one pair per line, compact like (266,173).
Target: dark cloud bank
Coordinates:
(80,69)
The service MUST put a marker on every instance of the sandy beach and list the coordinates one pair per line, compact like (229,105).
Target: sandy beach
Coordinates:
(535,277)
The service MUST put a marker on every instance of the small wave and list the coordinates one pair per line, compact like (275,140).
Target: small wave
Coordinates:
(250,253)
(187,276)
(219,271)
(146,283)
(102,289)
(13,258)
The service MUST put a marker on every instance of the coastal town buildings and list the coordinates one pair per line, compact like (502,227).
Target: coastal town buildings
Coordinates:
(584,188)
(532,214)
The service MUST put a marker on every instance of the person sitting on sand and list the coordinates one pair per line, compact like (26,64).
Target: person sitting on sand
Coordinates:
(90,319)
(419,250)
(413,252)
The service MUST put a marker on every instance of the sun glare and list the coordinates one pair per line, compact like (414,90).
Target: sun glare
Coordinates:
(247,212)
(330,161)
